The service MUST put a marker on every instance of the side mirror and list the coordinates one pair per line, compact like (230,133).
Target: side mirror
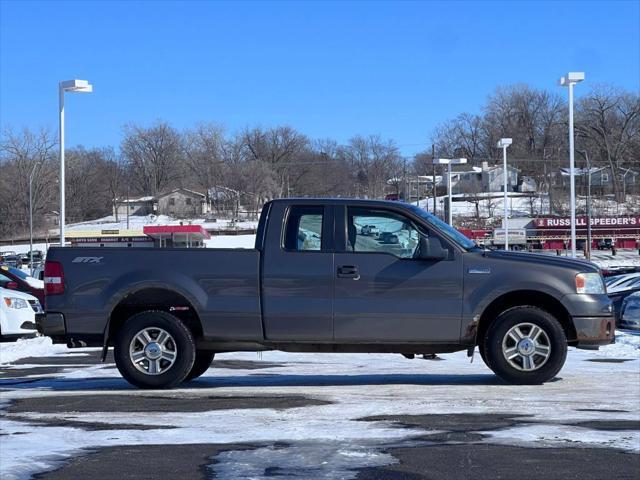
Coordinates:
(11,286)
(431,249)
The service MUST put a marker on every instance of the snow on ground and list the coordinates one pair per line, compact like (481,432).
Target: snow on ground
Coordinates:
(490,204)
(137,222)
(627,346)
(357,385)
(32,347)
(231,241)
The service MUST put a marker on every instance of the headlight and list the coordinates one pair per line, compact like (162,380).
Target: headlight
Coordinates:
(13,302)
(590,283)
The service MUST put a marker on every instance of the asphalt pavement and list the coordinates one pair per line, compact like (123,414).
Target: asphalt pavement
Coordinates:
(58,392)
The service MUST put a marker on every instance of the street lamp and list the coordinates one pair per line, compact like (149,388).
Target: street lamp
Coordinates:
(449,162)
(503,144)
(79,86)
(569,81)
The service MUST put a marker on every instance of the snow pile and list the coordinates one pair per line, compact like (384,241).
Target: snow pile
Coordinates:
(627,346)
(32,347)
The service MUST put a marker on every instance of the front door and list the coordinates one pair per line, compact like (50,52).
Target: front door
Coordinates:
(383,293)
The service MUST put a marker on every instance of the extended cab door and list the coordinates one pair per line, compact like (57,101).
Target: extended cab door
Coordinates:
(298,273)
(383,293)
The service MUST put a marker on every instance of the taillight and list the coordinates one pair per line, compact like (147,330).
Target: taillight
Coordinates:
(53,278)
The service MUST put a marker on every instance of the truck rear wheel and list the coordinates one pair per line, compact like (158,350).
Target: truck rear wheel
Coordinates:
(154,349)
(201,364)
(525,345)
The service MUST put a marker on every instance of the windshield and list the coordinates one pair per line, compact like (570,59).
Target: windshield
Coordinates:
(443,227)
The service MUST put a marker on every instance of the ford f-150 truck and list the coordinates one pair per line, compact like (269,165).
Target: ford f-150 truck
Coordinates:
(326,276)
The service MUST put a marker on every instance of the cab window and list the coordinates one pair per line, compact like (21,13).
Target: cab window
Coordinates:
(381,231)
(303,231)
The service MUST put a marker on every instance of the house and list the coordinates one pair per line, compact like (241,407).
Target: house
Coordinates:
(182,203)
(493,178)
(467,179)
(600,179)
(134,206)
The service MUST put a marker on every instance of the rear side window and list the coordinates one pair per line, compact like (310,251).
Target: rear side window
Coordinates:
(303,231)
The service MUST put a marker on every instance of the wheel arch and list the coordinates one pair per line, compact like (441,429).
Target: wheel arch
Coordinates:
(520,298)
(153,298)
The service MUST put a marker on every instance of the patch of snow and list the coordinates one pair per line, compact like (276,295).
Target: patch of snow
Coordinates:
(32,347)
(545,435)
(627,346)
(326,461)
(231,241)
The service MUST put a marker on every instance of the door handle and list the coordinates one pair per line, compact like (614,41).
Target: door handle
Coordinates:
(348,271)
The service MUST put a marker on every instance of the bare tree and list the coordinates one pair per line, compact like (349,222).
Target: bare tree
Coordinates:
(21,153)
(610,120)
(154,157)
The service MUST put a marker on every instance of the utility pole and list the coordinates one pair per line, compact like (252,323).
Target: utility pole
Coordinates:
(33,171)
(433,178)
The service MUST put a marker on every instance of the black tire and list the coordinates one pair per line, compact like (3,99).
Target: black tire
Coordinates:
(201,364)
(543,367)
(483,353)
(181,339)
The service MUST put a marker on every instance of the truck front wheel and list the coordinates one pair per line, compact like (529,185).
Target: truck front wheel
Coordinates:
(201,364)
(525,345)
(154,349)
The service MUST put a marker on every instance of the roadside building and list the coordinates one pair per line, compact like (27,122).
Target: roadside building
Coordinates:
(109,238)
(601,179)
(134,206)
(177,236)
(182,203)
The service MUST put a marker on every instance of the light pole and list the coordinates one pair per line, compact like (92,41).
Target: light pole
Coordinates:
(569,81)
(80,86)
(449,162)
(503,144)
(33,171)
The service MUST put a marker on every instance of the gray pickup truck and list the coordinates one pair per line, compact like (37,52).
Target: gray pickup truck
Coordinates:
(326,276)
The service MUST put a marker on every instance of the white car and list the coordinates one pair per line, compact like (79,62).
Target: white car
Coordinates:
(18,312)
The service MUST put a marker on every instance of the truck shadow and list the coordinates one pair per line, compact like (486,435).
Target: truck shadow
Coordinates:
(94,384)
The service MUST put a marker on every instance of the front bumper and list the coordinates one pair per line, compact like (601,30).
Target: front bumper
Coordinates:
(595,331)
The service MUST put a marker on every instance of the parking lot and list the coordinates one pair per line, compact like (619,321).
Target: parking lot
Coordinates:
(66,415)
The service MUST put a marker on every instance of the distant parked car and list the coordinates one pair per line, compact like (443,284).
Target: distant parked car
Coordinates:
(619,288)
(12,260)
(368,230)
(15,279)
(388,237)
(604,244)
(38,272)
(18,312)
(619,283)
(615,271)
(38,257)
(630,315)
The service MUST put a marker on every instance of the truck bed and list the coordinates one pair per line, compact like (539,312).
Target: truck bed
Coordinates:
(221,285)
